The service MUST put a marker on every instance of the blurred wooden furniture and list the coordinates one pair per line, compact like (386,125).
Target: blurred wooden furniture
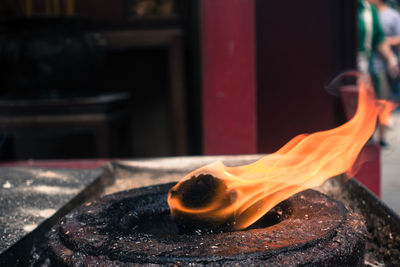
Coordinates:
(104,117)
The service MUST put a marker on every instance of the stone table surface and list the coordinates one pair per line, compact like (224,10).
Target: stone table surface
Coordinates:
(30,196)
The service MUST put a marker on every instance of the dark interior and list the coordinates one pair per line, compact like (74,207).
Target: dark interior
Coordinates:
(156,120)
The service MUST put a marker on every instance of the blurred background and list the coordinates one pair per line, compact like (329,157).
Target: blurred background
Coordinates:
(151,78)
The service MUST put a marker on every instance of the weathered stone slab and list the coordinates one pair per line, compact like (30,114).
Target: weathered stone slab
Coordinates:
(32,199)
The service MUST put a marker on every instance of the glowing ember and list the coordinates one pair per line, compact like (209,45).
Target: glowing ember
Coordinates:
(242,195)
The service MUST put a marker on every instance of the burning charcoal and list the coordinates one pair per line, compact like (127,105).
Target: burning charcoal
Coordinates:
(198,193)
(134,228)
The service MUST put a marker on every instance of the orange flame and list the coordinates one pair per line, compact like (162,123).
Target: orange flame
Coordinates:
(386,108)
(304,162)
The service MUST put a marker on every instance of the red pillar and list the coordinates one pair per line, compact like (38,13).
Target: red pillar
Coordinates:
(228,76)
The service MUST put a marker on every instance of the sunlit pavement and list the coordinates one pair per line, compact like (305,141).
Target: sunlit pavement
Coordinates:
(391,165)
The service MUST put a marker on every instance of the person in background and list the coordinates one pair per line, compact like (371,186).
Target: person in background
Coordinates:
(371,39)
(389,19)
